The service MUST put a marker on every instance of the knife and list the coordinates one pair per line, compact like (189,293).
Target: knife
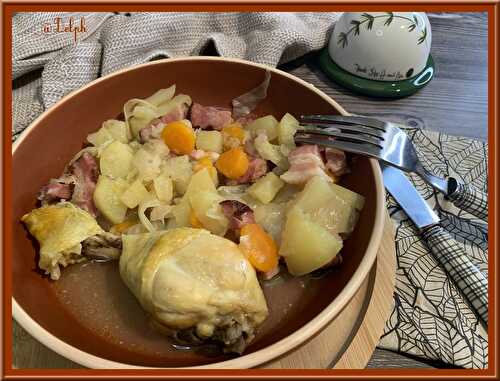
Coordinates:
(445,249)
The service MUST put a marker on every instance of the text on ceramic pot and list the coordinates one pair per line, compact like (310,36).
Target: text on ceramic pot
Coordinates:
(372,72)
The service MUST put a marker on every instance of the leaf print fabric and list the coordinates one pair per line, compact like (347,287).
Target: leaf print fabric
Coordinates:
(430,318)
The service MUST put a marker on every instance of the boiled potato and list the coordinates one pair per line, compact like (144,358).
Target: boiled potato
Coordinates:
(352,198)
(210,141)
(287,193)
(181,213)
(116,160)
(272,218)
(164,188)
(267,124)
(206,207)
(330,205)
(203,200)
(306,245)
(179,169)
(134,194)
(147,163)
(118,130)
(201,181)
(266,188)
(107,198)
(287,127)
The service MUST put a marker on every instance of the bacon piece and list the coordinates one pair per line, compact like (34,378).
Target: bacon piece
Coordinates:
(246,120)
(85,172)
(77,185)
(335,161)
(306,154)
(55,190)
(237,213)
(208,116)
(153,129)
(305,162)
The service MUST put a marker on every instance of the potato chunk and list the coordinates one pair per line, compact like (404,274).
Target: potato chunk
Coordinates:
(107,198)
(272,218)
(210,141)
(134,194)
(147,164)
(202,198)
(333,207)
(179,169)
(208,211)
(118,130)
(287,127)
(266,188)
(164,188)
(267,124)
(306,245)
(116,160)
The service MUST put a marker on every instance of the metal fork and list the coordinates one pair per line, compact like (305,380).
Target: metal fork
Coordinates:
(389,144)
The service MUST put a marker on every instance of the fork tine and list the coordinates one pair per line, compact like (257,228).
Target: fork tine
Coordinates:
(350,120)
(359,148)
(344,136)
(353,128)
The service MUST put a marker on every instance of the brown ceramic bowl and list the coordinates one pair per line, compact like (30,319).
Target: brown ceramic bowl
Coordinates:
(89,316)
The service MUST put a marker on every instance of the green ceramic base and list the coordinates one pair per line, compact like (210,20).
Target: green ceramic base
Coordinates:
(382,89)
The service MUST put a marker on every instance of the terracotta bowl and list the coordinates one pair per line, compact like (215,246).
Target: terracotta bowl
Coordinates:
(89,316)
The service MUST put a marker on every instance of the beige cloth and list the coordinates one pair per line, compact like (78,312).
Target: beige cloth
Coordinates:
(114,41)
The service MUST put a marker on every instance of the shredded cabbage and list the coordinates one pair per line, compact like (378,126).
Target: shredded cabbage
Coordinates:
(247,102)
(270,151)
(149,202)
(160,212)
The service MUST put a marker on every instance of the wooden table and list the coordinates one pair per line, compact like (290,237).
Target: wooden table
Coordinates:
(454,102)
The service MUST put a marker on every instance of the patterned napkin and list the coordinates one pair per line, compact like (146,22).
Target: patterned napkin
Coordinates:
(430,318)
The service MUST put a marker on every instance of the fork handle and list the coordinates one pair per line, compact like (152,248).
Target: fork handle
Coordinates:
(468,198)
(459,267)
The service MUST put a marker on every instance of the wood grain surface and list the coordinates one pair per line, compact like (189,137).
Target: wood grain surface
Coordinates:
(349,341)
(454,102)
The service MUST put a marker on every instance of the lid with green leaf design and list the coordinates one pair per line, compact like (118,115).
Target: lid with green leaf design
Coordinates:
(380,53)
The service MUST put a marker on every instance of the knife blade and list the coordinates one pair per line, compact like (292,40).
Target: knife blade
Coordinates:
(445,249)
(408,197)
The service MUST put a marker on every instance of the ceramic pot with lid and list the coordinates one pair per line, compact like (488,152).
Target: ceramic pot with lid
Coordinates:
(381,53)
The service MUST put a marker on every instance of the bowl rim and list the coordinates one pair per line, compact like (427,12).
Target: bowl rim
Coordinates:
(260,356)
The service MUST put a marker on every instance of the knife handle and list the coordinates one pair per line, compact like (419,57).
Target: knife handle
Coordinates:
(468,198)
(458,265)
